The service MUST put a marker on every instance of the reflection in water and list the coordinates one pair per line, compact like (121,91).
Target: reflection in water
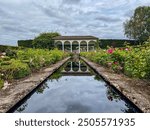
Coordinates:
(41,89)
(75,67)
(75,88)
(22,107)
(112,95)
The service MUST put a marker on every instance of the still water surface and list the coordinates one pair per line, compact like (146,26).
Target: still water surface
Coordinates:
(75,88)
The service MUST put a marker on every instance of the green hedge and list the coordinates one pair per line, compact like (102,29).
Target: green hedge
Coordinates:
(25,43)
(104,43)
(3,48)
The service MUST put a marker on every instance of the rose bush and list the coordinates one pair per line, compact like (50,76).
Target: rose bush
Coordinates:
(133,62)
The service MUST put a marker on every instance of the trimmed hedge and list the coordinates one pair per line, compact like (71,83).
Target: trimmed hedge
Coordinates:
(3,48)
(104,43)
(25,43)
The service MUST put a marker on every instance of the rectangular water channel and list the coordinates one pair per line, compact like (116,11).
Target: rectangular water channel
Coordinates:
(75,88)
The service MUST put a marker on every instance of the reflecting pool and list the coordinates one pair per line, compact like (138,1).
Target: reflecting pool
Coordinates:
(75,88)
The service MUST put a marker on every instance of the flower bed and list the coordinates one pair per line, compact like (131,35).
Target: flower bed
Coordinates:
(133,62)
(20,63)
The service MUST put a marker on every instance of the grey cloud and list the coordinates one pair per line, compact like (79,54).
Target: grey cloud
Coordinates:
(97,25)
(107,19)
(71,1)
(34,30)
(24,19)
(91,13)
(67,24)
(2,12)
(13,29)
(52,12)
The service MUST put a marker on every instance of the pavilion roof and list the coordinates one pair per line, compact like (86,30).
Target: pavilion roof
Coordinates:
(75,38)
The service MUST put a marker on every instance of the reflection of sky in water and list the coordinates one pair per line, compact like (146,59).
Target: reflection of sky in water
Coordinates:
(76,94)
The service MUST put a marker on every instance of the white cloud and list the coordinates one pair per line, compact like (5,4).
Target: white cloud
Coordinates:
(24,19)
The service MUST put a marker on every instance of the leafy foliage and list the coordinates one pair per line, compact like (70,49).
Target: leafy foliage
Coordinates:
(38,58)
(3,48)
(26,61)
(138,27)
(134,62)
(15,69)
(45,40)
(10,53)
(1,83)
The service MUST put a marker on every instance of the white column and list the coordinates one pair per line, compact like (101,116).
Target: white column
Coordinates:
(71,67)
(63,46)
(87,46)
(71,45)
(87,70)
(79,47)
(79,66)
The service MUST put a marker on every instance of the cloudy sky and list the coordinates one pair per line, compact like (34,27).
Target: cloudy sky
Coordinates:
(24,19)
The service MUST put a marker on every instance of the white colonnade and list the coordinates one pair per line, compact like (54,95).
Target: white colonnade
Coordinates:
(79,44)
(79,69)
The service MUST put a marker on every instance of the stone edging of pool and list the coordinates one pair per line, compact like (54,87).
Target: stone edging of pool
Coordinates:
(17,91)
(137,91)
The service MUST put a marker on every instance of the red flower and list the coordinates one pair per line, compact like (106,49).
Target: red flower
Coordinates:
(110,51)
(115,63)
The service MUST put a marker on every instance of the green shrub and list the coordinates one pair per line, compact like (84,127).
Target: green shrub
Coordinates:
(3,48)
(45,40)
(1,83)
(6,58)
(37,58)
(133,62)
(5,62)
(15,70)
(28,60)
(138,63)
(10,53)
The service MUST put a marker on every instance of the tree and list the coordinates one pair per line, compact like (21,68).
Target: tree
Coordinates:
(45,40)
(138,27)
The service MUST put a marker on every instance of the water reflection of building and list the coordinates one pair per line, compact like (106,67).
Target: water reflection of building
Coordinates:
(76,68)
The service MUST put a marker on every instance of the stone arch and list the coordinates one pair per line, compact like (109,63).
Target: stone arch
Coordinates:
(75,66)
(91,45)
(58,44)
(75,46)
(67,45)
(68,67)
(83,46)
(92,42)
(83,67)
